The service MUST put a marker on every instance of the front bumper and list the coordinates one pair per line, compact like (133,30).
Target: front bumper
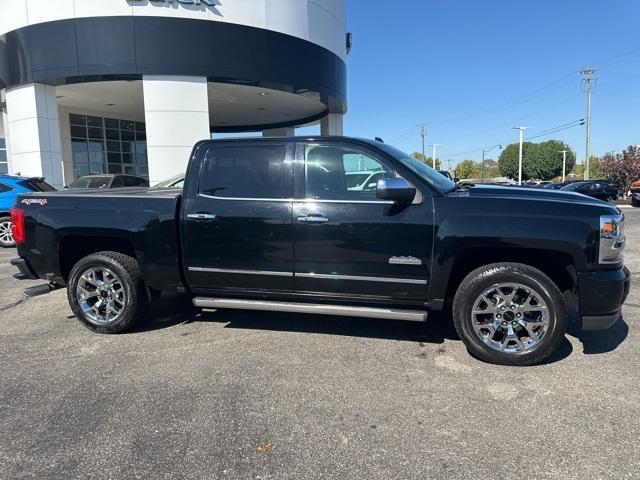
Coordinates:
(602,294)
(25,272)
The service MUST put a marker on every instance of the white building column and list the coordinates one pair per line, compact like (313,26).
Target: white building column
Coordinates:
(176,113)
(279,132)
(4,126)
(332,124)
(32,124)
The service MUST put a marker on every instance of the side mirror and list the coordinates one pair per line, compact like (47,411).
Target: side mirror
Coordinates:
(396,190)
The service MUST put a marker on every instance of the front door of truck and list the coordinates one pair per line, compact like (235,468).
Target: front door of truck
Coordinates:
(347,241)
(236,223)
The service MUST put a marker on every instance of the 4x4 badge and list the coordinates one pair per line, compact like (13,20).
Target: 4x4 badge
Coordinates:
(405,261)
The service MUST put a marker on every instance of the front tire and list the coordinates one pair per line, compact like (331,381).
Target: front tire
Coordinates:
(509,314)
(106,292)
(6,233)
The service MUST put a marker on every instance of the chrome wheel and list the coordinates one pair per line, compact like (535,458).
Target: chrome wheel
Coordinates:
(510,317)
(6,235)
(101,296)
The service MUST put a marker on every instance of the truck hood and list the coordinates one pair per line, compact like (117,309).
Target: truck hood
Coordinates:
(533,194)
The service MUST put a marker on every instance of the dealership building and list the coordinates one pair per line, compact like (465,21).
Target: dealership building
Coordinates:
(128,86)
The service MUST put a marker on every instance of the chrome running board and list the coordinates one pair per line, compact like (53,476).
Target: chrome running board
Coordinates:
(315,308)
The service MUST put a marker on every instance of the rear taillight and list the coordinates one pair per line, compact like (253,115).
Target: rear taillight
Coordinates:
(17,220)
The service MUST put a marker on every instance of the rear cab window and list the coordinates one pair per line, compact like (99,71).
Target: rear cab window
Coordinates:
(247,172)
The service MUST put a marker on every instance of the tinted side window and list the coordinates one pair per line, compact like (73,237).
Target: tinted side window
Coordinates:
(134,182)
(118,182)
(247,172)
(4,188)
(341,173)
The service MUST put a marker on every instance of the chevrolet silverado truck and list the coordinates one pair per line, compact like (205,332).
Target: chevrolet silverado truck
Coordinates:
(271,224)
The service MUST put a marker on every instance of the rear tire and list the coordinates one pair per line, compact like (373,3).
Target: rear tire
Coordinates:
(509,314)
(6,235)
(107,293)
(635,202)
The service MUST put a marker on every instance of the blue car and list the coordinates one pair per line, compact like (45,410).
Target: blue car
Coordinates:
(10,187)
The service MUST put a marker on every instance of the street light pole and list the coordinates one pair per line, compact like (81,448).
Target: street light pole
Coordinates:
(433,157)
(522,129)
(564,163)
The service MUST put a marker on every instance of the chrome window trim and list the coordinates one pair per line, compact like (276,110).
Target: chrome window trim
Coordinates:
(321,276)
(313,200)
(244,272)
(247,199)
(301,200)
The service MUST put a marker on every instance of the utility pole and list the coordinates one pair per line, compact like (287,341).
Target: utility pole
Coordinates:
(564,163)
(522,129)
(423,134)
(588,80)
(433,157)
(449,164)
(484,152)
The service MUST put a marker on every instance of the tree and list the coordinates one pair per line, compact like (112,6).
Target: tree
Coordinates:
(467,169)
(491,169)
(541,161)
(594,168)
(621,169)
(427,160)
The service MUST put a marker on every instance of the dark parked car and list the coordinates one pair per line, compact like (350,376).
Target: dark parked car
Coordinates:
(595,188)
(271,224)
(635,194)
(10,187)
(107,181)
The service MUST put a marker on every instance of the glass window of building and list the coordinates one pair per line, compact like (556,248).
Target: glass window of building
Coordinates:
(108,145)
(4,161)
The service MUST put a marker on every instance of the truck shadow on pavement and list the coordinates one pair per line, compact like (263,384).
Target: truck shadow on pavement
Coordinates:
(172,311)
(596,342)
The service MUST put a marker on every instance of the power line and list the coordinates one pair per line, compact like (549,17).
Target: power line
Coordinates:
(559,128)
(521,99)
(405,134)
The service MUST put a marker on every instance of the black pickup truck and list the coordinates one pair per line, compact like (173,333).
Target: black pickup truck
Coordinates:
(283,224)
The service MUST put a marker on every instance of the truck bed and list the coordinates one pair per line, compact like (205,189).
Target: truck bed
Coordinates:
(64,224)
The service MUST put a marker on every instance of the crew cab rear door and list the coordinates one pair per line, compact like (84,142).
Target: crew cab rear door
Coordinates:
(348,243)
(237,222)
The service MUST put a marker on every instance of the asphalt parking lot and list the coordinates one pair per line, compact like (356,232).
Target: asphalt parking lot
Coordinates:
(243,395)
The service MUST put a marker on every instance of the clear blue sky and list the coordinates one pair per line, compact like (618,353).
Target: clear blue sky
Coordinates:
(466,68)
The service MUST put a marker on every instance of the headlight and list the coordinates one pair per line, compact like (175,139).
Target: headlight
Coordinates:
(611,239)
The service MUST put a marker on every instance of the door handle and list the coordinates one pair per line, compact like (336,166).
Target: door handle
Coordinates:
(313,219)
(201,217)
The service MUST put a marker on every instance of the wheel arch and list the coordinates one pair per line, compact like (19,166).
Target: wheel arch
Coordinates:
(75,247)
(558,266)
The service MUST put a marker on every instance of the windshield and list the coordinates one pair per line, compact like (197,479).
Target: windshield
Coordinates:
(431,176)
(36,185)
(173,182)
(91,182)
